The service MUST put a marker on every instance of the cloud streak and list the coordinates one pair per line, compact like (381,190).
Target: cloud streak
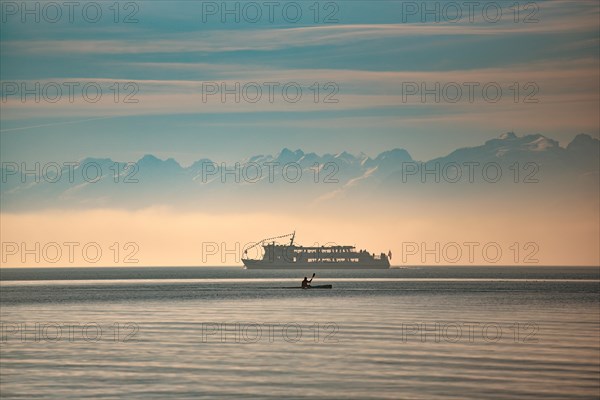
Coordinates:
(270,39)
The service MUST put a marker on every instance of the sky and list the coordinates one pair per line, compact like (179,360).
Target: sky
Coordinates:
(369,53)
(229,80)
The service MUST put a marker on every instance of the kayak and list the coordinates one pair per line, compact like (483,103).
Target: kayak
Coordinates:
(311,287)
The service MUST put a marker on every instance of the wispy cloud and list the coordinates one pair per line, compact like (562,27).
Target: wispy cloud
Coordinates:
(281,38)
(562,83)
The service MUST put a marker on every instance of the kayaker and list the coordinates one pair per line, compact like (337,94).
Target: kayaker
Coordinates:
(306,282)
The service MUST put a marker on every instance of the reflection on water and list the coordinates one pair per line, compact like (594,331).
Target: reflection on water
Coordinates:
(417,339)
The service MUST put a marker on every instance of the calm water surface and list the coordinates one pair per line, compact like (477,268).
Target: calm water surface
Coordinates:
(454,333)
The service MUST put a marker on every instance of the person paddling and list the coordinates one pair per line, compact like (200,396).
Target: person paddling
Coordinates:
(306,282)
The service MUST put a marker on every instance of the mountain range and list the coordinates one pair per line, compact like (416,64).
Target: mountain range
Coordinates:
(299,178)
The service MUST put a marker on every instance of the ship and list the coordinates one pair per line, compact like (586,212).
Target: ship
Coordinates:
(293,256)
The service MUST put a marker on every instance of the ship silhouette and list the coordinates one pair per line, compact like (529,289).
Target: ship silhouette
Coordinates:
(293,256)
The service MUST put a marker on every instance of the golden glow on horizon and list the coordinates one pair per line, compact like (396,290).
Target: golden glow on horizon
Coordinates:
(168,238)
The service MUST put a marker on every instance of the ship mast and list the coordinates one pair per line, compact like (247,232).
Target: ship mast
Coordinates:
(266,240)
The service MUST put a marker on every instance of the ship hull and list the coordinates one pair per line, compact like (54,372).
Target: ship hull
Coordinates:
(260,264)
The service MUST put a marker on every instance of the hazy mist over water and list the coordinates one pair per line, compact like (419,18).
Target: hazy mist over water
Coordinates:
(456,332)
